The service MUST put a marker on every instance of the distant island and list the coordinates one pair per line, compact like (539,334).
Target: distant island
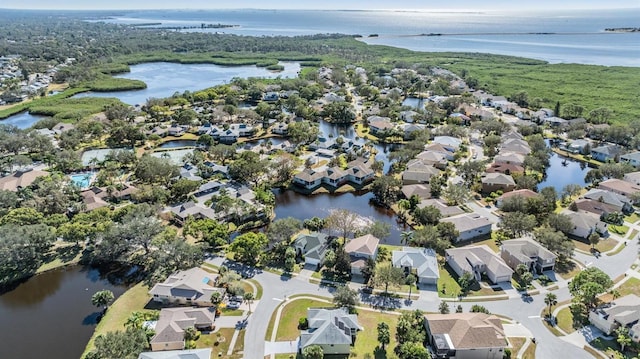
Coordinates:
(622,29)
(201,26)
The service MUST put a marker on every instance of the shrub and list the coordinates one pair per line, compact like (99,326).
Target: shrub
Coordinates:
(303,323)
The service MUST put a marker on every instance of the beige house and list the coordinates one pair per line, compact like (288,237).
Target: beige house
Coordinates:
(193,286)
(466,335)
(479,260)
(528,252)
(173,322)
(624,311)
(20,179)
(470,226)
(360,249)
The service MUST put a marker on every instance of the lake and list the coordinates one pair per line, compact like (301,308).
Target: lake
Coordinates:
(163,79)
(50,315)
(563,171)
(558,36)
(178,144)
(22,120)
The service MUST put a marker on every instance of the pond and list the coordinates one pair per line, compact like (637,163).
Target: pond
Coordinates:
(563,171)
(300,206)
(413,102)
(22,120)
(50,315)
(178,144)
(163,79)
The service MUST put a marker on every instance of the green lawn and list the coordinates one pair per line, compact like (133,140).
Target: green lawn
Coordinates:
(552,329)
(367,340)
(491,243)
(211,341)
(634,233)
(604,245)
(516,344)
(631,286)
(530,352)
(61,256)
(132,300)
(292,312)
(567,269)
(449,281)
(258,286)
(619,230)
(611,348)
(632,218)
(564,320)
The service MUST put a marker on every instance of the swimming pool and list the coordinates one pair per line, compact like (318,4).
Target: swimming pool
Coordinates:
(82,180)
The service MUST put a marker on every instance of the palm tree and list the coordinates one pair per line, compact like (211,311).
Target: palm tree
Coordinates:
(248,298)
(216,299)
(411,280)
(406,237)
(550,299)
(102,299)
(404,206)
(135,320)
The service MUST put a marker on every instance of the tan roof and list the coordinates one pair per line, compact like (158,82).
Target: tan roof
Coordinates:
(619,186)
(526,193)
(526,248)
(498,178)
(366,244)
(173,321)
(468,330)
(468,257)
(20,179)
(468,221)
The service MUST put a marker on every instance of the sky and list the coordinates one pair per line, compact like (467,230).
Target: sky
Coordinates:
(322,4)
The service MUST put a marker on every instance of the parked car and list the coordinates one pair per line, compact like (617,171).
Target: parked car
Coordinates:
(236,298)
(233,305)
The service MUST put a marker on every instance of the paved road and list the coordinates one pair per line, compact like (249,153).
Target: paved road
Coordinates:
(277,288)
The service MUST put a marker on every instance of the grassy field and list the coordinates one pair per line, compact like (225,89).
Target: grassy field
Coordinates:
(604,245)
(133,299)
(367,340)
(61,256)
(211,341)
(530,352)
(564,320)
(619,230)
(567,269)
(292,312)
(611,348)
(631,286)
(449,281)
(516,344)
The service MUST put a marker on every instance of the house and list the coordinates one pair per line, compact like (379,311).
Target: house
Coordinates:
(271,97)
(191,209)
(447,151)
(452,143)
(431,158)
(606,153)
(596,207)
(178,354)
(528,252)
(379,124)
(308,178)
(509,158)
(176,130)
(632,177)
(613,200)
(360,249)
(445,211)
(418,172)
(493,182)
(515,146)
(470,226)
(193,286)
(479,260)
(242,129)
(409,128)
(20,179)
(579,146)
(312,246)
(334,330)
(524,193)
(92,200)
(621,187)
(227,136)
(506,168)
(554,121)
(280,128)
(172,323)
(357,172)
(423,191)
(420,262)
(408,116)
(632,158)
(466,335)
(622,312)
(585,223)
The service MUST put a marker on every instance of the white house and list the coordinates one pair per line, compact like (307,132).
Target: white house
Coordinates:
(470,226)
(421,262)
(479,260)
(193,286)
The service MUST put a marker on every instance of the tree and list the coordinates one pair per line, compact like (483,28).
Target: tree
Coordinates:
(455,195)
(444,308)
(247,168)
(412,350)
(623,337)
(216,299)
(470,171)
(248,247)
(313,352)
(550,299)
(302,132)
(410,327)
(406,237)
(466,281)
(388,275)
(411,281)
(343,221)
(594,239)
(560,222)
(182,187)
(345,297)
(588,284)
(517,224)
(155,170)
(428,215)
(208,230)
(281,230)
(248,298)
(378,229)
(384,334)
(222,153)
(386,189)
(102,298)
(479,309)
(459,308)
(554,241)
(135,320)
(126,345)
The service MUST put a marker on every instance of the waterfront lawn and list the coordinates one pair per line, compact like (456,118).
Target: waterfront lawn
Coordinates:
(291,314)
(134,299)
(62,255)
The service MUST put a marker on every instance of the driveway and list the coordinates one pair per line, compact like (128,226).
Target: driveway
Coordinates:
(516,330)
(284,347)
